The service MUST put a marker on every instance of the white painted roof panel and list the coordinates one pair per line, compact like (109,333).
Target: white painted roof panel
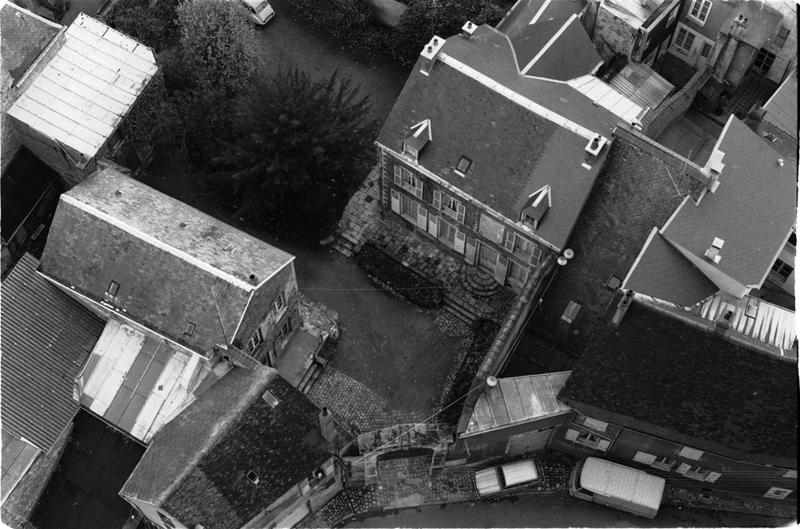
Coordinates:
(80,96)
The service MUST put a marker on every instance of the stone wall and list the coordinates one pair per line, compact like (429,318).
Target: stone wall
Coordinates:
(670,110)
(612,35)
(10,139)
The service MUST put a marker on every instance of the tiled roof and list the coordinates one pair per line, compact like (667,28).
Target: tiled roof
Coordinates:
(173,263)
(24,36)
(517,399)
(195,466)
(662,272)
(80,94)
(46,338)
(782,106)
(752,211)
(23,183)
(655,371)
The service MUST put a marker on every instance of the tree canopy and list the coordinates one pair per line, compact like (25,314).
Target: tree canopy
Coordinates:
(302,146)
(217,41)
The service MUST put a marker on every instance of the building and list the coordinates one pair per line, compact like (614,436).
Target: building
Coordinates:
(248,452)
(46,338)
(69,90)
(736,37)
(777,120)
(496,140)
(185,297)
(684,398)
(730,239)
(639,30)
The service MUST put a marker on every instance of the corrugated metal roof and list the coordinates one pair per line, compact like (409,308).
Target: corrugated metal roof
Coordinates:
(81,94)
(642,85)
(518,399)
(46,337)
(606,96)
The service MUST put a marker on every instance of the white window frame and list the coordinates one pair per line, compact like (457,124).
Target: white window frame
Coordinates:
(412,216)
(406,179)
(513,265)
(588,439)
(696,11)
(571,311)
(778,493)
(680,44)
(691,453)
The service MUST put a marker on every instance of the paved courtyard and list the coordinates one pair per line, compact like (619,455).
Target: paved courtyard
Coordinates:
(692,136)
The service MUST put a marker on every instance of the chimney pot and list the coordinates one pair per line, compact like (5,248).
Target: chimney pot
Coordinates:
(780,162)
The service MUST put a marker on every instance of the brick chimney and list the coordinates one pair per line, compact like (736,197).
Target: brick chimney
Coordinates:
(327,426)
(429,54)
(468,29)
(622,307)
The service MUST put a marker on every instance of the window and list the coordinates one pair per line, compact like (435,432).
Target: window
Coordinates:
(594,424)
(690,453)
(487,257)
(519,246)
(536,255)
(190,327)
(780,39)
(279,303)
(764,61)
(777,493)
(406,179)
(252,477)
(706,50)
(516,272)
(769,136)
(782,269)
(453,208)
(663,463)
(112,289)
(571,312)
(408,208)
(447,233)
(463,166)
(587,439)
(684,40)
(256,340)
(270,399)
(699,10)
(697,473)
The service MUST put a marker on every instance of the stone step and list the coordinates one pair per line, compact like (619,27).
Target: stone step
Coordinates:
(459,309)
(342,247)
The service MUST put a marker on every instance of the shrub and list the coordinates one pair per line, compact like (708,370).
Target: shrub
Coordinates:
(153,26)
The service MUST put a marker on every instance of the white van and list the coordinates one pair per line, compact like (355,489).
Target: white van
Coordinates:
(493,480)
(259,10)
(618,486)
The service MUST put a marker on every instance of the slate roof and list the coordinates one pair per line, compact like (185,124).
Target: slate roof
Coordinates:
(567,55)
(46,338)
(195,466)
(662,272)
(80,92)
(753,210)
(523,12)
(656,374)
(782,106)
(173,263)
(24,36)
(23,183)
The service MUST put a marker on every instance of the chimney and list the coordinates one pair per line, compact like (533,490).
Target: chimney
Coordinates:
(724,322)
(468,29)
(593,150)
(429,54)
(712,253)
(622,308)
(327,426)
(755,117)
(713,169)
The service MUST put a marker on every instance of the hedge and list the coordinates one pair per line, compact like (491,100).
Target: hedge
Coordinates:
(403,281)
(154,26)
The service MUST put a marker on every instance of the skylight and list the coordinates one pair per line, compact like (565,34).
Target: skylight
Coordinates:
(463,166)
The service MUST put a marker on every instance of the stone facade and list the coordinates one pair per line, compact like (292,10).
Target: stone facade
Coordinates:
(613,35)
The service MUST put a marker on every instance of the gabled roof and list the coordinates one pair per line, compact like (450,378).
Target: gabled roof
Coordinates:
(662,272)
(46,338)
(25,35)
(526,12)
(195,466)
(172,263)
(659,375)
(567,54)
(782,106)
(84,86)
(752,211)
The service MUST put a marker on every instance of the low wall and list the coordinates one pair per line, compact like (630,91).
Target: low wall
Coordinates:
(660,118)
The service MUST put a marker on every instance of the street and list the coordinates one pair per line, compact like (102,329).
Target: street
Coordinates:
(548,511)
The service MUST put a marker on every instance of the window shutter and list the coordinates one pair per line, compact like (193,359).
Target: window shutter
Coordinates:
(571,435)
(422,217)
(470,250)
(536,255)
(644,457)
(395,201)
(461,212)
(437,199)
(398,175)
(418,187)
(509,243)
(603,445)
(433,225)
(500,270)
(460,240)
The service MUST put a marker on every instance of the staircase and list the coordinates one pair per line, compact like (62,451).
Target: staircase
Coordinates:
(311,375)
(479,285)
(459,308)
(345,244)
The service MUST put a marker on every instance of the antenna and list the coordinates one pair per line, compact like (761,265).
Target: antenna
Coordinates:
(219,316)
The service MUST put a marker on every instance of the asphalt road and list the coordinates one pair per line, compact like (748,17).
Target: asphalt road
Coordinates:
(547,511)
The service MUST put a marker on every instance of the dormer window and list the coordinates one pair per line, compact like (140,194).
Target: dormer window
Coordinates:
(190,327)
(536,207)
(419,138)
(463,166)
(112,289)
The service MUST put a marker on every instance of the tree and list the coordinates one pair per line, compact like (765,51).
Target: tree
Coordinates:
(302,147)
(217,41)
(153,26)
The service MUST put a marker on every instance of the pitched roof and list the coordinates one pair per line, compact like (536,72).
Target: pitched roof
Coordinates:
(657,374)
(782,106)
(517,399)
(24,182)
(24,36)
(752,211)
(46,338)
(80,92)
(662,272)
(172,263)
(195,466)
(526,12)
(567,54)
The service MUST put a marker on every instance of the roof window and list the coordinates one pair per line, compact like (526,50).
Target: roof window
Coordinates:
(571,312)
(190,327)
(112,289)
(252,477)
(270,399)
(463,166)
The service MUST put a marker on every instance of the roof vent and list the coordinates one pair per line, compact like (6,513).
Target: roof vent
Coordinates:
(593,150)
(253,278)
(418,139)
(429,53)
(182,225)
(270,399)
(491,381)
(536,207)
(712,253)
(117,193)
(252,477)
(780,162)
(468,29)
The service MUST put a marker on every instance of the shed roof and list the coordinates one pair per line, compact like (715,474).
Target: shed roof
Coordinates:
(83,88)
(172,263)
(657,374)
(195,466)
(752,211)
(46,338)
(517,399)
(24,36)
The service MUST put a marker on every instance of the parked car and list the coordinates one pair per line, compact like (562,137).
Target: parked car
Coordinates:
(617,486)
(259,10)
(493,480)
